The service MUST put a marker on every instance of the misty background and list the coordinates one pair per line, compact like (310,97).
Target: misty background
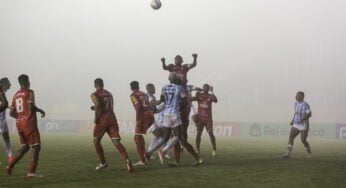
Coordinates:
(256,53)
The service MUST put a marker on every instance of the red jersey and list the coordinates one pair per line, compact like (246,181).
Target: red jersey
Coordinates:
(181,71)
(105,100)
(205,104)
(140,101)
(26,119)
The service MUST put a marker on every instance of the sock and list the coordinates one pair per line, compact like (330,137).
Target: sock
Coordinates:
(7,146)
(213,142)
(32,167)
(289,149)
(155,138)
(190,149)
(122,151)
(100,153)
(156,145)
(198,141)
(308,149)
(19,155)
(177,152)
(140,144)
(171,143)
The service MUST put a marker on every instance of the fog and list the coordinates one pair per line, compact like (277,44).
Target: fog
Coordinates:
(256,53)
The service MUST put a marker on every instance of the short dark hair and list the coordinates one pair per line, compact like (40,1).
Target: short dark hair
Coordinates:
(98,82)
(302,93)
(23,79)
(4,80)
(149,85)
(134,85)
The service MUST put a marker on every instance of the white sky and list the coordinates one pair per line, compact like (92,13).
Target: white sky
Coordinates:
(256,53)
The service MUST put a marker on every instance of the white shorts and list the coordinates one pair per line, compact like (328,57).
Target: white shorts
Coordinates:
(3,126)
(171,120)
(300,127)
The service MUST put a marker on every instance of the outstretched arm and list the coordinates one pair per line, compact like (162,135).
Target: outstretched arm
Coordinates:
(32,105)
(36,109)
(194,63)
(214,98)
(164,66)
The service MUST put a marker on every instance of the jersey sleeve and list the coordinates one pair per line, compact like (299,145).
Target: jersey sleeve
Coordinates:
(94,99)
(136,102)
(170,68)
(187,67)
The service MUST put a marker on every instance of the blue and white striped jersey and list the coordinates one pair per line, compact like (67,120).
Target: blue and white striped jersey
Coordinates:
(172,94)
(300,110)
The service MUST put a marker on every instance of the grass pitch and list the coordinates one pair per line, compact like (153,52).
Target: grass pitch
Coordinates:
(69,160)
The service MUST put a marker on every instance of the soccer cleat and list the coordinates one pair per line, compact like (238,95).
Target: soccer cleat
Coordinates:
(10,159)
(139,163)
(129,165)
(101,166)
(173,164)
(286,155)
(166,156)
(213,153)
(33,175)
(147,156)
(8,170)
(161,156)
(199,162)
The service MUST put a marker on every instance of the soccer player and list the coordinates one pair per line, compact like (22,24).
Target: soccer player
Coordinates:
(105,121)
(300,124)
(192,114)
(182,69)
(23,108)
(204,115)
(157,107)
(172,95)
(155,128)
(4,86)
(144,118)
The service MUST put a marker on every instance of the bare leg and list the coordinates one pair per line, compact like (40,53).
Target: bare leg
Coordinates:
(294,132)
(304,136)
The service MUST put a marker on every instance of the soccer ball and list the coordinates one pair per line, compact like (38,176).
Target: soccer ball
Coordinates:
(155,4)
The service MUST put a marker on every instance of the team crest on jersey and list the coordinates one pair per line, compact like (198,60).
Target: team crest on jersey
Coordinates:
(134,99)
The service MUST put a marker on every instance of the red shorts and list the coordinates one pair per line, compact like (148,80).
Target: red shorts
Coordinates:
(109,126)
(30,138)
(144,123)
(204,122)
